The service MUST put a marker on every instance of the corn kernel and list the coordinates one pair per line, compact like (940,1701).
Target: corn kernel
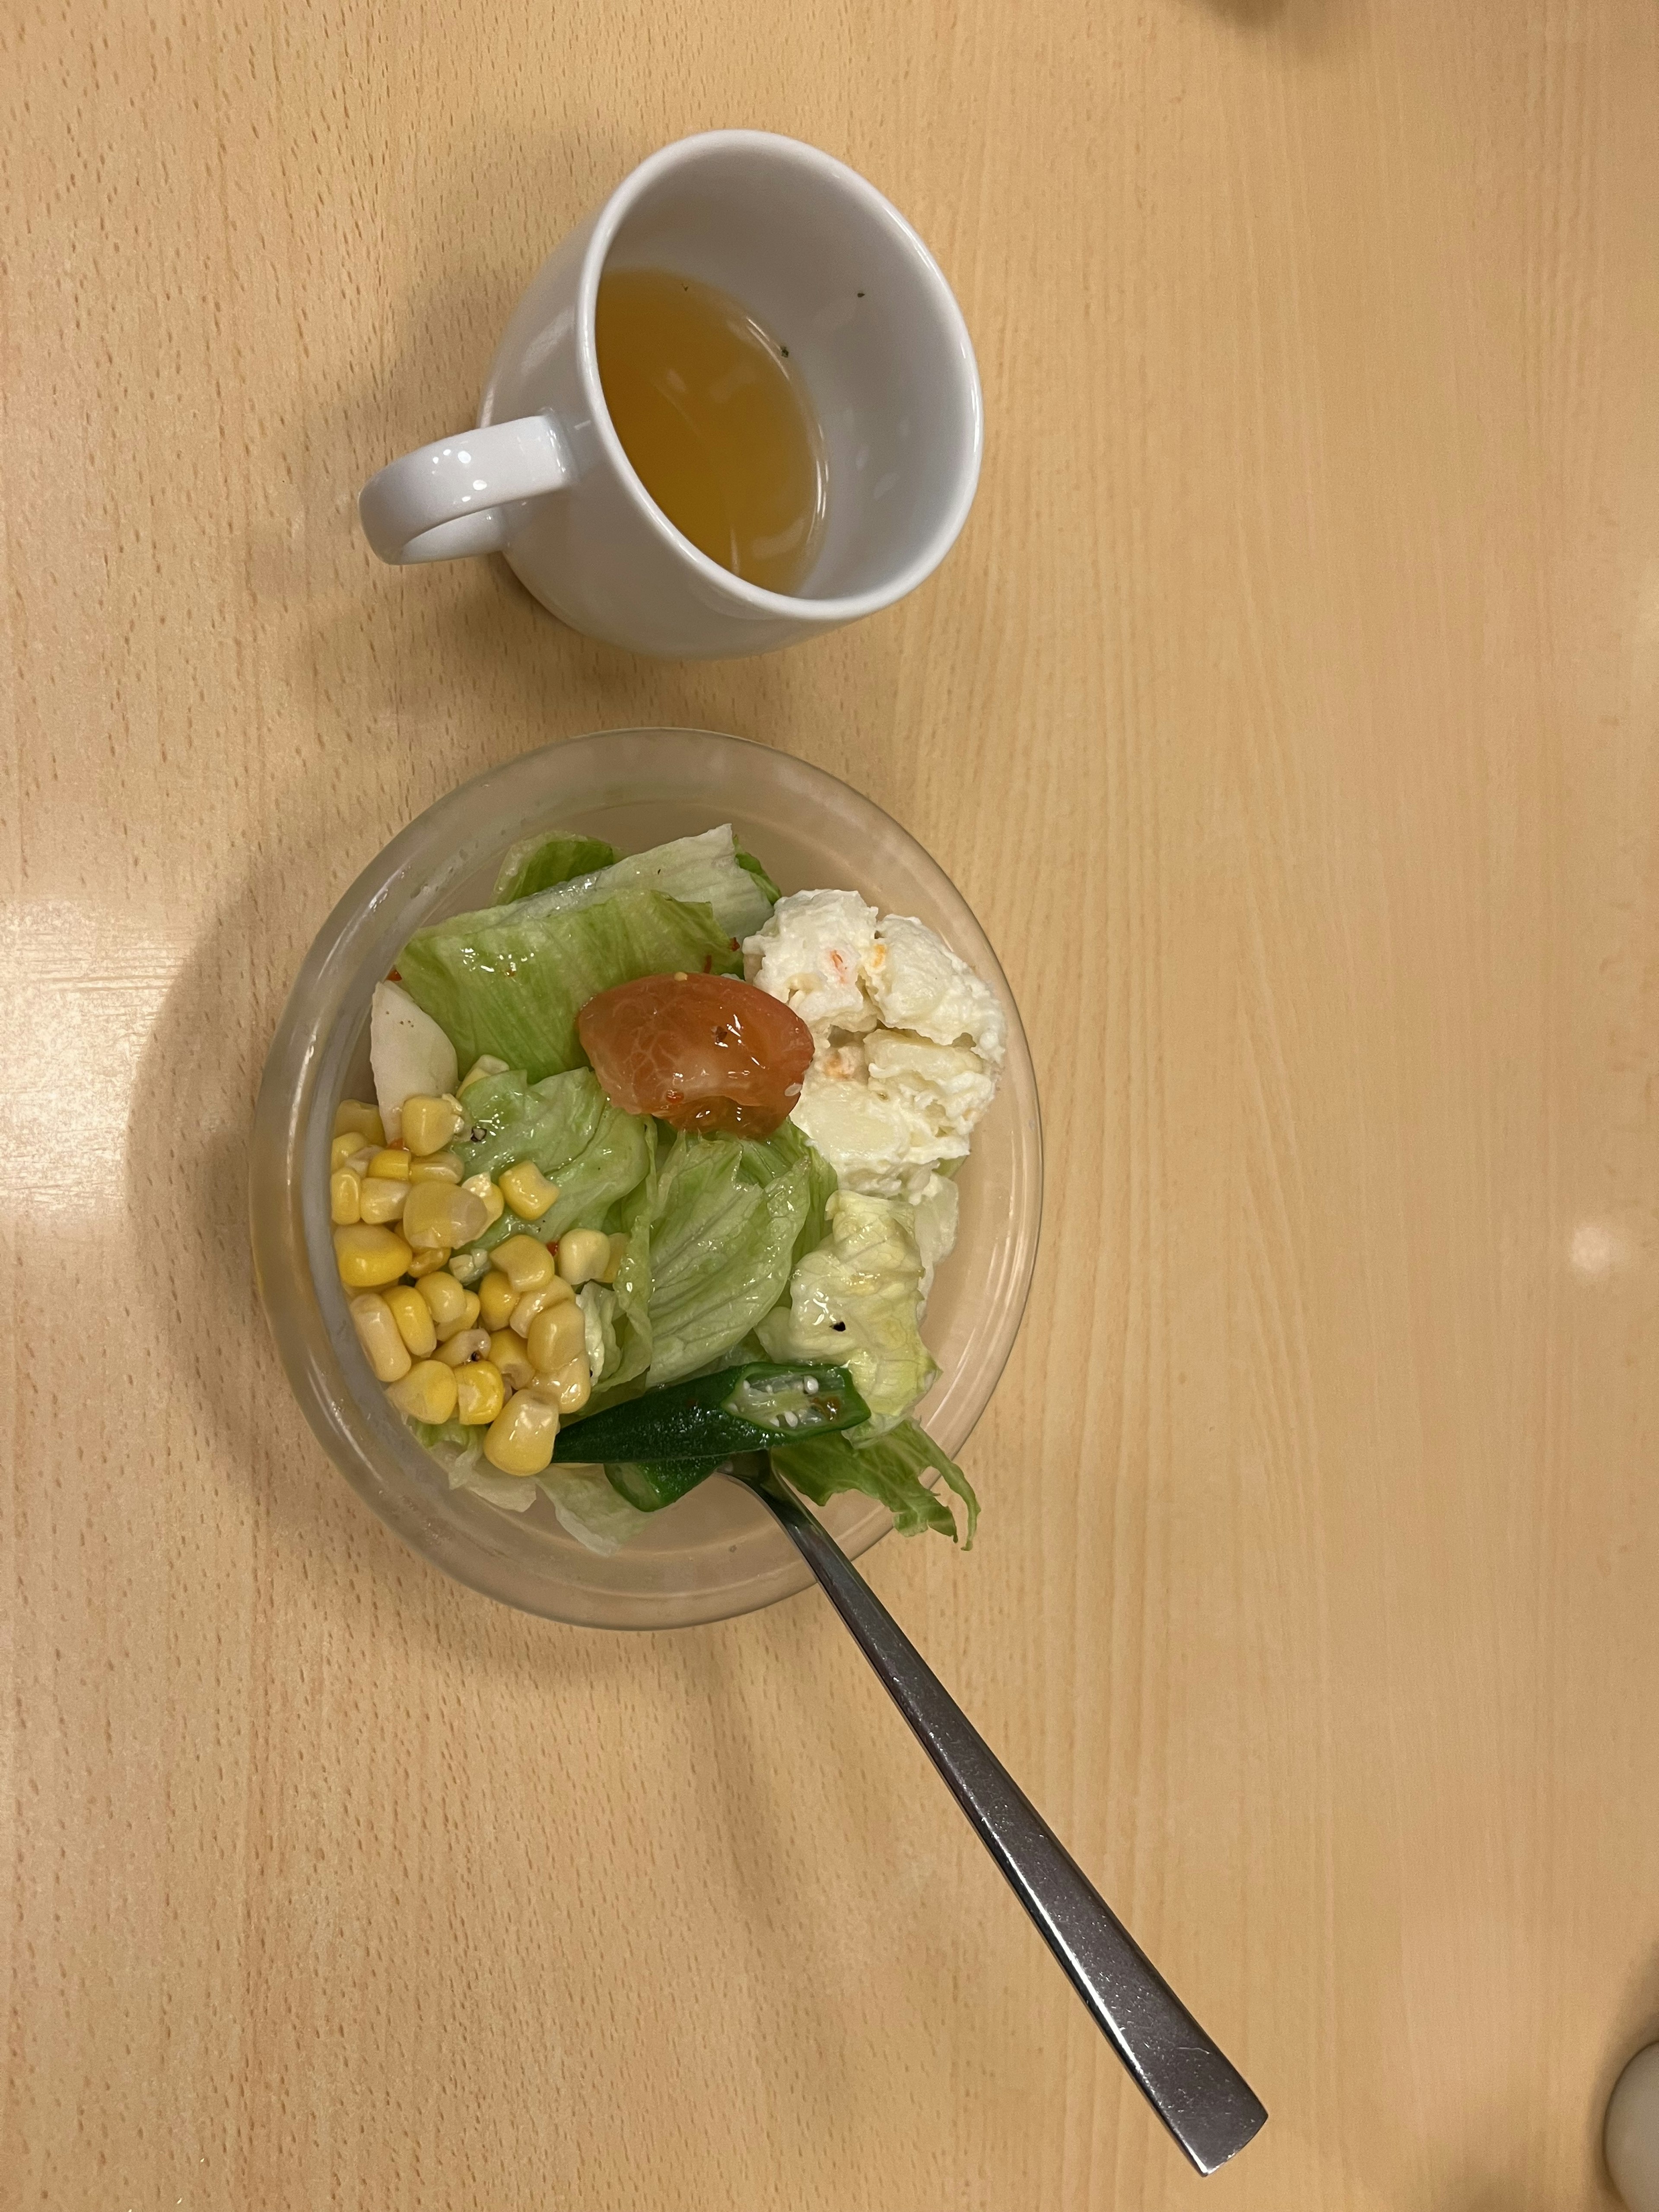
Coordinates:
(442,1214)
(391,1164)
(557,1335)
(570,1387)
(429,1123)
(381,1199)
(426,1263)
(426,1392)
(445,1300)
(498,1298)
(345,1197)
(341,1149)
(465,1343)
(520,1438)
(619,1254)
(467,1266)
(485,1063)
(554,1293)
(442,1167)
(368,1257)
(468,1317)
(352,1114)
(584,1255)
(527,1190)
(512,1361)
(480,1394)
(526,1264)
(481,1187)
(377,1332)
(414,1318)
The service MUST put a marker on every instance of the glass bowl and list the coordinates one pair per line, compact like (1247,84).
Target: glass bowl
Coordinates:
(717,1553)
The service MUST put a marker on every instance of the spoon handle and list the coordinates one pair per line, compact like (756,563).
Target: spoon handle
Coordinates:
(1200,2097)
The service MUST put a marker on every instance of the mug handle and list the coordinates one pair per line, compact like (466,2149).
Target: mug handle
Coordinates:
(468,494)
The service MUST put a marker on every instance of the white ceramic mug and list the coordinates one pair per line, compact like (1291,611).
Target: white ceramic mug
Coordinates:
(819,257)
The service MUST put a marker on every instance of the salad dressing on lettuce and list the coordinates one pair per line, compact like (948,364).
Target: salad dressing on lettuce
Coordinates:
(689,1196)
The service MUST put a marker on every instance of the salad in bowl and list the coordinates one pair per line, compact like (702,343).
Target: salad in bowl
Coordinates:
(639,1161)
(687,1199)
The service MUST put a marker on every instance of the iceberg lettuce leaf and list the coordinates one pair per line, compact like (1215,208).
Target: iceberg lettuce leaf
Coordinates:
(620,1317)
(821,1184)
(855,1299)
(511,980)
(748,860)
(890,1468)
(590,1508)
(593,1152)
(705,871)
(460,1451)
(538,864)
(724,1223)
(712,1230)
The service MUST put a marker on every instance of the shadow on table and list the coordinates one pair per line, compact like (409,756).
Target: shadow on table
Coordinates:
(868,1969)
(398,685)
(868,1935)
(407,696)
(1252,14)
(1633,2023)
(1306,23)
(314,1545)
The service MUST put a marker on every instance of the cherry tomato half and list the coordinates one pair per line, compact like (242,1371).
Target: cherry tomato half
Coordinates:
(701,1052)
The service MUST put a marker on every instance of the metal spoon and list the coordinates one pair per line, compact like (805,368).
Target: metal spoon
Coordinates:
(1201,2097)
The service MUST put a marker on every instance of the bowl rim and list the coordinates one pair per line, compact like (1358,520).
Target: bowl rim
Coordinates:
(362,1439)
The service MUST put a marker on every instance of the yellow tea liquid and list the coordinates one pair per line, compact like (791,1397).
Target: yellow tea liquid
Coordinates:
(715,422)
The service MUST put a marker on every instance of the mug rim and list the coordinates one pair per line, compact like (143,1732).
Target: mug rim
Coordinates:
(609,222)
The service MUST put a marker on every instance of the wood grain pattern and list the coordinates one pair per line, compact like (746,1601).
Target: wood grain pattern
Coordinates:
(1296,683)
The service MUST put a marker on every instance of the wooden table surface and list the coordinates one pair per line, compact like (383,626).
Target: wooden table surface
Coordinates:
(1287,711)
